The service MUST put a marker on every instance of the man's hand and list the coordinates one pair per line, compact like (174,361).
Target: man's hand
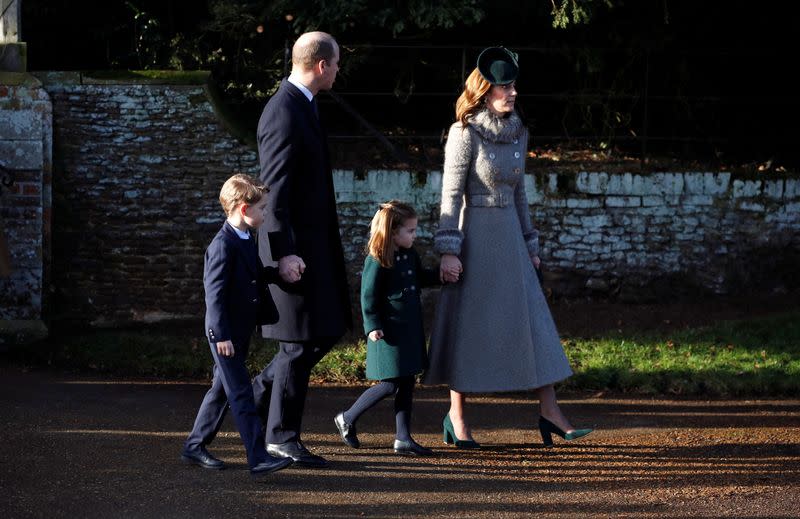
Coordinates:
(225,348)
(376,335)
(291,268)
(450,268)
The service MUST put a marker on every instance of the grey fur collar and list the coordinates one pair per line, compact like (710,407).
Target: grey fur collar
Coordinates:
(497,129)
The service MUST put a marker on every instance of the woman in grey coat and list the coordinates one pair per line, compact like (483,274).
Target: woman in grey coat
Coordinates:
(493,330)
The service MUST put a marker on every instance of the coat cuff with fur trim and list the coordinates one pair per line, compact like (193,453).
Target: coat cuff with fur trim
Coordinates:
(448,241)
(532,242)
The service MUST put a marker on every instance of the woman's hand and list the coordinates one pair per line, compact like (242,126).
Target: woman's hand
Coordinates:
(536,261)
(450,268)
(375,335)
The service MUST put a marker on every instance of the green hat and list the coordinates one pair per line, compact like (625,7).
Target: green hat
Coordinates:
(498,65)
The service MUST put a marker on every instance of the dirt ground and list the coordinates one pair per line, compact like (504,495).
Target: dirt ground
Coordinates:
(91,447)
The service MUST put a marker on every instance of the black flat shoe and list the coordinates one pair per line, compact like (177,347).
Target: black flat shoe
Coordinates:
(347,431)
(272,464)
(298,454)
(201,457)
(411,448)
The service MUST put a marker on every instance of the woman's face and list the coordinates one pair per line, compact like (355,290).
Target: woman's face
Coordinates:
(500,98)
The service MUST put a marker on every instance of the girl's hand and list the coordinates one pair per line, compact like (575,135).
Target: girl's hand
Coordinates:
(450,268)
(376,335)
(536,261)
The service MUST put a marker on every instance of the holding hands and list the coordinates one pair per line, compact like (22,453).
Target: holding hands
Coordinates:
(225,348)
(291,268)
(450,268)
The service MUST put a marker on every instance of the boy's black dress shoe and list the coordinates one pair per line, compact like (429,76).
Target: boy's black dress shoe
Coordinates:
(270,465)
(347,431)
(200,456)
(411,448)
(297,452)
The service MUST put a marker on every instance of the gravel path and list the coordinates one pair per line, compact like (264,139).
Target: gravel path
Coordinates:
(83,447)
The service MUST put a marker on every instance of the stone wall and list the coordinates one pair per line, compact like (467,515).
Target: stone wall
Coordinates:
(138,172)
(626,235)
(25,200)
(657,235)
(138,169)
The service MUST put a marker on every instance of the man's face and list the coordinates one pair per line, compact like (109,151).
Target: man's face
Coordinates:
(330,69)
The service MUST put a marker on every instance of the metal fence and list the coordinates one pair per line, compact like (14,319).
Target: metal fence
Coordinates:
(694,102)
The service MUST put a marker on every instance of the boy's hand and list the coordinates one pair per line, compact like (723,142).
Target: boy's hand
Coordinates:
(376,335)
(225,348)
(291,268)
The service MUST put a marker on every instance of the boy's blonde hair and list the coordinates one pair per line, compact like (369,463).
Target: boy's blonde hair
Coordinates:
(389,217)
(240,189)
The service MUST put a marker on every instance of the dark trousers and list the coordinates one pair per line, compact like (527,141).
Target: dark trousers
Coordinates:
(230,387)
(280,389)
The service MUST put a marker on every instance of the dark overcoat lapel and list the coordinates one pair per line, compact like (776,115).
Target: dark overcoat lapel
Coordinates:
(301,219)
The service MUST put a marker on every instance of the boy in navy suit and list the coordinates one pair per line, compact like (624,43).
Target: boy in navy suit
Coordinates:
(237,300)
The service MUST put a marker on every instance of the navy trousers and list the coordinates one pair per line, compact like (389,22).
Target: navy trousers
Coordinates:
(230,387)
(280,389)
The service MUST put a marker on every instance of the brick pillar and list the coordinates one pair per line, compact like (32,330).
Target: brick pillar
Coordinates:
(26,130)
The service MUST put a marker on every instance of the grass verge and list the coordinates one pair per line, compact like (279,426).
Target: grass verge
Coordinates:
(750,357)
(758,357)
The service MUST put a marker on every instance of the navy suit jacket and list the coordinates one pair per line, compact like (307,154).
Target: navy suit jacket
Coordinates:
(236,286)
(301,219)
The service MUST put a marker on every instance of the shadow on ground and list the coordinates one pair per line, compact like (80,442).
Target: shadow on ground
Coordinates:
(99,448)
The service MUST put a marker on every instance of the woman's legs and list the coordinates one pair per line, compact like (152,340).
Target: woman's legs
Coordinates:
(548,407)
(456,412)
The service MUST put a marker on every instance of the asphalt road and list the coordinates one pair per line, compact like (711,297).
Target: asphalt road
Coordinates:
(94,447)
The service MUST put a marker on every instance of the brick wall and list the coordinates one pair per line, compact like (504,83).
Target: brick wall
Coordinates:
(25,156)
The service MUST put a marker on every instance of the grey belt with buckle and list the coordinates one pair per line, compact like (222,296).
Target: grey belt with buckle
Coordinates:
(493,200)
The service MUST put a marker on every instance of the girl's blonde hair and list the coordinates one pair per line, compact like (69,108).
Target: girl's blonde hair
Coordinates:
(472,98)
(390,216)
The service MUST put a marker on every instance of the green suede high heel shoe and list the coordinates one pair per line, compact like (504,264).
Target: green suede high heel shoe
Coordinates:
(450,437)
(546,427)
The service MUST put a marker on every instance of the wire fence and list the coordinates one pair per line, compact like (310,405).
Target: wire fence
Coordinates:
(689,101)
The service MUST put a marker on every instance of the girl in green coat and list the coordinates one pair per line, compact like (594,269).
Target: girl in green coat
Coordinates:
(390,304)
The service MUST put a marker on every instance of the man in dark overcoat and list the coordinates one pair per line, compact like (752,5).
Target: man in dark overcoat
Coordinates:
(300,236)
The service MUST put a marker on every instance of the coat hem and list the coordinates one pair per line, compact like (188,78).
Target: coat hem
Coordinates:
(497,389)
